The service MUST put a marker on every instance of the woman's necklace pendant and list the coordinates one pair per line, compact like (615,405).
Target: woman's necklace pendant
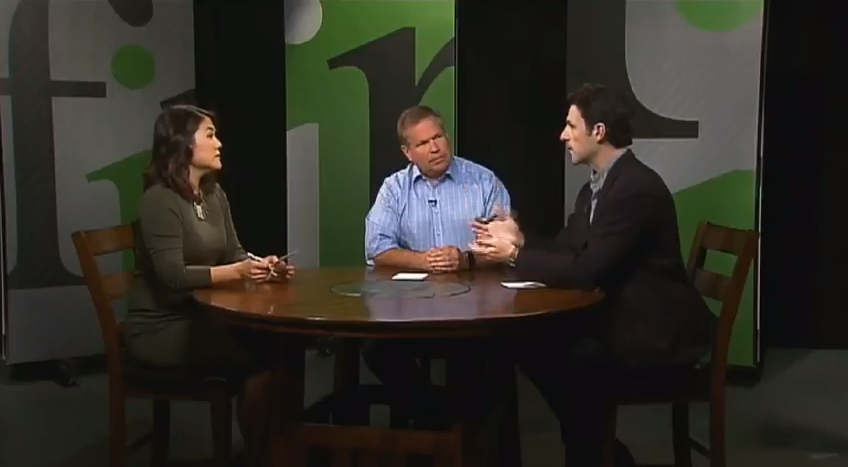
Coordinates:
(200,211)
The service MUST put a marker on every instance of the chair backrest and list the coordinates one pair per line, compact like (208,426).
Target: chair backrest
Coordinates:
(105,288)
(726,289)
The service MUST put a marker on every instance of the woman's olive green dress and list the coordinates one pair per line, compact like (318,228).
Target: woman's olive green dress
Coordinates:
(179,245)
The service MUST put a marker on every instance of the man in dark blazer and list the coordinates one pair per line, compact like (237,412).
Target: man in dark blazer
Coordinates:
(622,238)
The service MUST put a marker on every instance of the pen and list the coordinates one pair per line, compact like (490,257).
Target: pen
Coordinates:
(287,255)
(257,258)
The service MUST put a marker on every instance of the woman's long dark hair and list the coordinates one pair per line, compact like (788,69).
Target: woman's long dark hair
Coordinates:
(173,150)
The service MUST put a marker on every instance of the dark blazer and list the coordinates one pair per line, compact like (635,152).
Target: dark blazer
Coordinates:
(652,315)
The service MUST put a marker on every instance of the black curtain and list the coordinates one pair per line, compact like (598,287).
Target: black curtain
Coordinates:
(3,316)
(240,75)
(511,97)
(804,263)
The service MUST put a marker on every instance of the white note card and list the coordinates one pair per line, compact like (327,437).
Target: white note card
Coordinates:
(523,285)
(410,276)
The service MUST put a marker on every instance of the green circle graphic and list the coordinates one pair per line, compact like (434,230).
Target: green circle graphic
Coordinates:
(719,15)
(133,67)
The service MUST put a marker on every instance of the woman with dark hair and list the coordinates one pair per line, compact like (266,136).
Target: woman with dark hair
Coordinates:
(188,242)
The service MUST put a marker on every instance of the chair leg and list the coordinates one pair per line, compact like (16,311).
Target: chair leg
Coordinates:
(509,437)
(718,435)
(118,431)
(222,430)
(161,433)
(397,421)
(324,346)
(680,435)
(426,367)
(609,441)
(346,378)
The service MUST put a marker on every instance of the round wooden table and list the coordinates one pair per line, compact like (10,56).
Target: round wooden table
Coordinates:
(308,305)
(476,305)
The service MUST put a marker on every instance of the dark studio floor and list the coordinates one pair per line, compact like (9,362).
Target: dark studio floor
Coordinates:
(797,416)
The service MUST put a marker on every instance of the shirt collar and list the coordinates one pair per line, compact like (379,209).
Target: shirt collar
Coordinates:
(450,173)
(596,180)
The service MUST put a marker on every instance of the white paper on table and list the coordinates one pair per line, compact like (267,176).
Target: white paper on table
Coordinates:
(410,276)
(523,285)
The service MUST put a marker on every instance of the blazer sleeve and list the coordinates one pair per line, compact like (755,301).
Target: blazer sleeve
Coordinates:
(625,221)
(162,224)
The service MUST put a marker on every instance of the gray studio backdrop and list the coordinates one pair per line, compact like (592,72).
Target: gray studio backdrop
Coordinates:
(81,85)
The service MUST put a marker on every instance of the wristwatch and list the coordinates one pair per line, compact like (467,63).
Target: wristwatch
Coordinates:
(470,259)
(513,255)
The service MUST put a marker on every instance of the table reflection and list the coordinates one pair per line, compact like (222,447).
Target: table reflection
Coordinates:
(477,301)
(399,289)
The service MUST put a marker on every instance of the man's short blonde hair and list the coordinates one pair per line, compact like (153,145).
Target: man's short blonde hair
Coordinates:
(413,116)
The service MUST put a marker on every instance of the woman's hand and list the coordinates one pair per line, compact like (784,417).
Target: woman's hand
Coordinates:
(257,271)
(283,270)
(279,268)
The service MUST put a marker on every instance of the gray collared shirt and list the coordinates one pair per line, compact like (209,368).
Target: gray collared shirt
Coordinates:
(596,182)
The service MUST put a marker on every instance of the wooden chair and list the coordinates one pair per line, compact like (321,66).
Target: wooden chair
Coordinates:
(706,383)
(128,379)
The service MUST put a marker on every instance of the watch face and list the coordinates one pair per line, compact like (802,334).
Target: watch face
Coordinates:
(513,256)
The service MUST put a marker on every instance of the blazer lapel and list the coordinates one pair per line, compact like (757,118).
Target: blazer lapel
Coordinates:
(580,229)
(615,171)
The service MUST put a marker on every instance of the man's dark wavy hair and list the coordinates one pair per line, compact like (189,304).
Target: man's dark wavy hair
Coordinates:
(600,104)
(173,149)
